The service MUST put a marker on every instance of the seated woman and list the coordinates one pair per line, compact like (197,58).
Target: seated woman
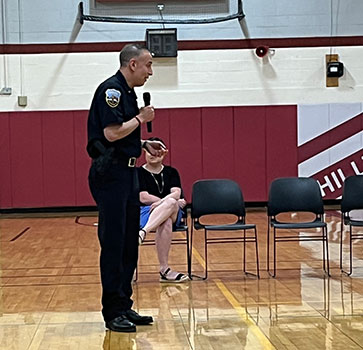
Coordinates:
(162,204)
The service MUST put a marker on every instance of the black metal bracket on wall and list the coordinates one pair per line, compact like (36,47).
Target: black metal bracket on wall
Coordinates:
(83,17)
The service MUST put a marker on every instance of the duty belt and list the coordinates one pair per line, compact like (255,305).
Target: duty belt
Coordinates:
(130,162)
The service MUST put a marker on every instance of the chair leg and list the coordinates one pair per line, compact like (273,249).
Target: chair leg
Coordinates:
(257,261)
(341,244)
(244,251)
(350,251)
(324,247)
(191,255)
(253,239)
(268,246)
(274,250)
(327,251)
(191,250)
(205,254)
(188,254)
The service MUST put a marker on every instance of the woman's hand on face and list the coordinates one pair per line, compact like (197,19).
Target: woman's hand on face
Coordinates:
(155,148)
(182,203)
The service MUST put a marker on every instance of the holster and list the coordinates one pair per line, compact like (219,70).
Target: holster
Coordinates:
(103,162)
(102,156)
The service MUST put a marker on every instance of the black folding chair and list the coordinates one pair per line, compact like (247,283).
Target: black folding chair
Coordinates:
(352,199)
(221,196)
(182,228)
(295,194)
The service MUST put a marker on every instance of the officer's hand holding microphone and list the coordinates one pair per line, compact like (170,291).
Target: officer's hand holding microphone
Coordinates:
(155,148)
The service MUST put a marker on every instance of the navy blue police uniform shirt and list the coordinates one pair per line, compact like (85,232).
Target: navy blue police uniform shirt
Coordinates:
(114,102)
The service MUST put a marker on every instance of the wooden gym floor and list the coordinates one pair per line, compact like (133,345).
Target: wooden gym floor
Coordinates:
(50,293)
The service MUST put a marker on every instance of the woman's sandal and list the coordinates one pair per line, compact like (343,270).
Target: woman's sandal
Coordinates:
(142,235)
(180,277)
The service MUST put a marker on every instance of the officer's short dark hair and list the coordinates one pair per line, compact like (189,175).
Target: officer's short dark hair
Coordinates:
(130,51)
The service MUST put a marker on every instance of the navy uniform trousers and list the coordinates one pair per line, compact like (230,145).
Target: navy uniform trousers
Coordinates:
(117,196)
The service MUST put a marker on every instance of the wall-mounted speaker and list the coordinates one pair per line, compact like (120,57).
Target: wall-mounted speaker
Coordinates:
(262,51)
(162,42)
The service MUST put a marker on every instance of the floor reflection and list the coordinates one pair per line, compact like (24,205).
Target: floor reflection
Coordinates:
(50,295)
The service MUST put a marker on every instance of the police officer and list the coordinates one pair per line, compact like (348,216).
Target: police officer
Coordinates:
(114,144)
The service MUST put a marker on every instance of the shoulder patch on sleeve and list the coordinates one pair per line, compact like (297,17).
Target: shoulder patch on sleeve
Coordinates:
(113,97)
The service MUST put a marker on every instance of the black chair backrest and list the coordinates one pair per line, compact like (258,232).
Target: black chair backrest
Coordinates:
(352,193)
(300,194)
(217,196)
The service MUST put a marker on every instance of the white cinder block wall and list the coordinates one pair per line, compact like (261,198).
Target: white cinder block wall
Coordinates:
(196,78)
(193,79)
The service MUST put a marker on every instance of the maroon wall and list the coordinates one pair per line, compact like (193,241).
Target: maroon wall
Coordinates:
(43,160)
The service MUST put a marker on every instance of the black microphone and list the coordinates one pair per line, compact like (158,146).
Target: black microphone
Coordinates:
(147,99)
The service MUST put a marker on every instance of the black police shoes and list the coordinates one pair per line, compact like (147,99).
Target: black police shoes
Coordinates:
(121,324)
(137,319)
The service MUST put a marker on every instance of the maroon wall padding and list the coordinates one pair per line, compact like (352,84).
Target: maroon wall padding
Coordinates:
(250,151)
(82,161)
(5,171)
(58,158)
(186,145)
(26,159)
(217,143)
(44,161)
(281,142)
